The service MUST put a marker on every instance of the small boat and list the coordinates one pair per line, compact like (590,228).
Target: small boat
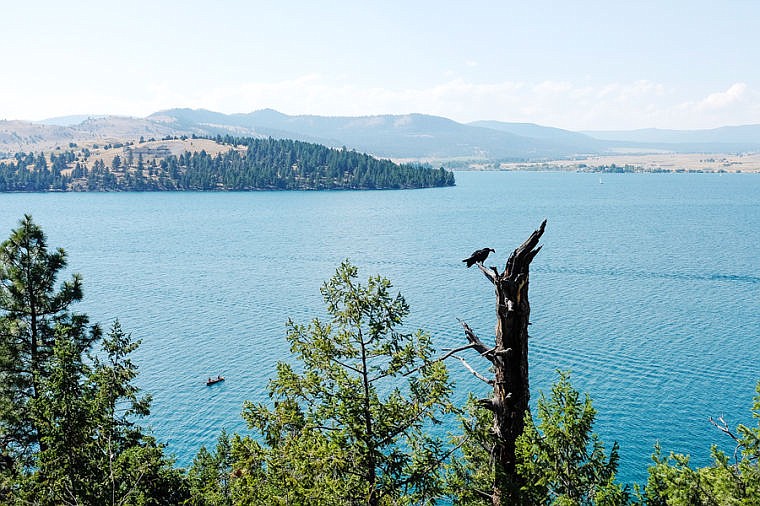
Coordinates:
(212,381)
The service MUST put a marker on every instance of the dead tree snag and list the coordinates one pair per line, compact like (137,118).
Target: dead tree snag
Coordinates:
(509,360)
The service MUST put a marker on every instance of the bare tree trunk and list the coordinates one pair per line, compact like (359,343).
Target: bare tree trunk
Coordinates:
(509,357)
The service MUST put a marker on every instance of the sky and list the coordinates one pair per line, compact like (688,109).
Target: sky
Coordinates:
(578,65)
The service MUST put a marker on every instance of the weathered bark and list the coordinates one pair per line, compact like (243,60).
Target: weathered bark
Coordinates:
(509,357)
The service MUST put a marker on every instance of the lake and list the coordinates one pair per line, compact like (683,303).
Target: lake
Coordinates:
(647,288)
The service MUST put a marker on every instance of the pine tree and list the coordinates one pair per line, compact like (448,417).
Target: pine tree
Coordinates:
(67,423)
(34,312)
(561,459)
(211,473)
(353,422)
(728,480)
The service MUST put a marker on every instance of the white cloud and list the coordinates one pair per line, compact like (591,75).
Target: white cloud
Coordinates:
(552,87)
(723,99)
(566,104)
(738,104)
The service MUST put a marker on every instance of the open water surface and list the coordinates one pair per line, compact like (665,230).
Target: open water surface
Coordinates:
(647,288)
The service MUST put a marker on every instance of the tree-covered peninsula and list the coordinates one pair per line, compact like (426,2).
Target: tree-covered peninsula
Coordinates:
(239,164)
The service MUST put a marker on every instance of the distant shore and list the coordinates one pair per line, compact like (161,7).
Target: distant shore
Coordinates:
(660,162)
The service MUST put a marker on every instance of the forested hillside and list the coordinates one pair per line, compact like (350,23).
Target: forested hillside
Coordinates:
(248,164)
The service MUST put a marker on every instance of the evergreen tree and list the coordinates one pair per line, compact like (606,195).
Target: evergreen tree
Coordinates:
(94,453)
(727,481)
(35,314)
(211,473)
(559,459)
(67,419)
(65,465)
(562,461)
(265,164)
(354,422)
(116,397)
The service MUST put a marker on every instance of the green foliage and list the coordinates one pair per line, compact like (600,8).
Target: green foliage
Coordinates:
(727,481)
(66,427)
(142,475)
(28,172)
(35,314)
(471,476)
(563,462)
(306,468)
(65,462)
(560,459)
(353,423)
(91,451)
(115,396)
(211,473)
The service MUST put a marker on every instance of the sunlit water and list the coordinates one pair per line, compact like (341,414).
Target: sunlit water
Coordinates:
(647,288)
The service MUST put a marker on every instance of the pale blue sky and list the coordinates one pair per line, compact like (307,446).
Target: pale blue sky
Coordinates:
(571,64)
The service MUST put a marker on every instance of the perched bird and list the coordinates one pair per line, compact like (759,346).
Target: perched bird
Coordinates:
(478,256)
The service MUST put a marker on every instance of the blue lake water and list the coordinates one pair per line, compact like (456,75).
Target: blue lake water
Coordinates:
(647,288)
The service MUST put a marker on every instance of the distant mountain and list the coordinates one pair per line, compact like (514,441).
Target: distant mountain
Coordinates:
(16,136)
(572,141)
(408,136)
(727,138)
(70,120)
(397,136)
(26,136)
(121,127)
(256,124)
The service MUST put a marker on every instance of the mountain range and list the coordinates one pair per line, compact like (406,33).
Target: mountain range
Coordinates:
(409,136)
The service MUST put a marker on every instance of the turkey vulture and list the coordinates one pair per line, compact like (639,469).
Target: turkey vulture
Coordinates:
(478,256)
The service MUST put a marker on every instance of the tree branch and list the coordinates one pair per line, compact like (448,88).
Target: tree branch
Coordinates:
(475,341)
(473,371)
(491,273)
(420,472)
(346,366)
(406,425)
(449,353)
(723,427)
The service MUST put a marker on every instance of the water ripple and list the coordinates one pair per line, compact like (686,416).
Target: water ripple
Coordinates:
(646,288)
(617,272)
